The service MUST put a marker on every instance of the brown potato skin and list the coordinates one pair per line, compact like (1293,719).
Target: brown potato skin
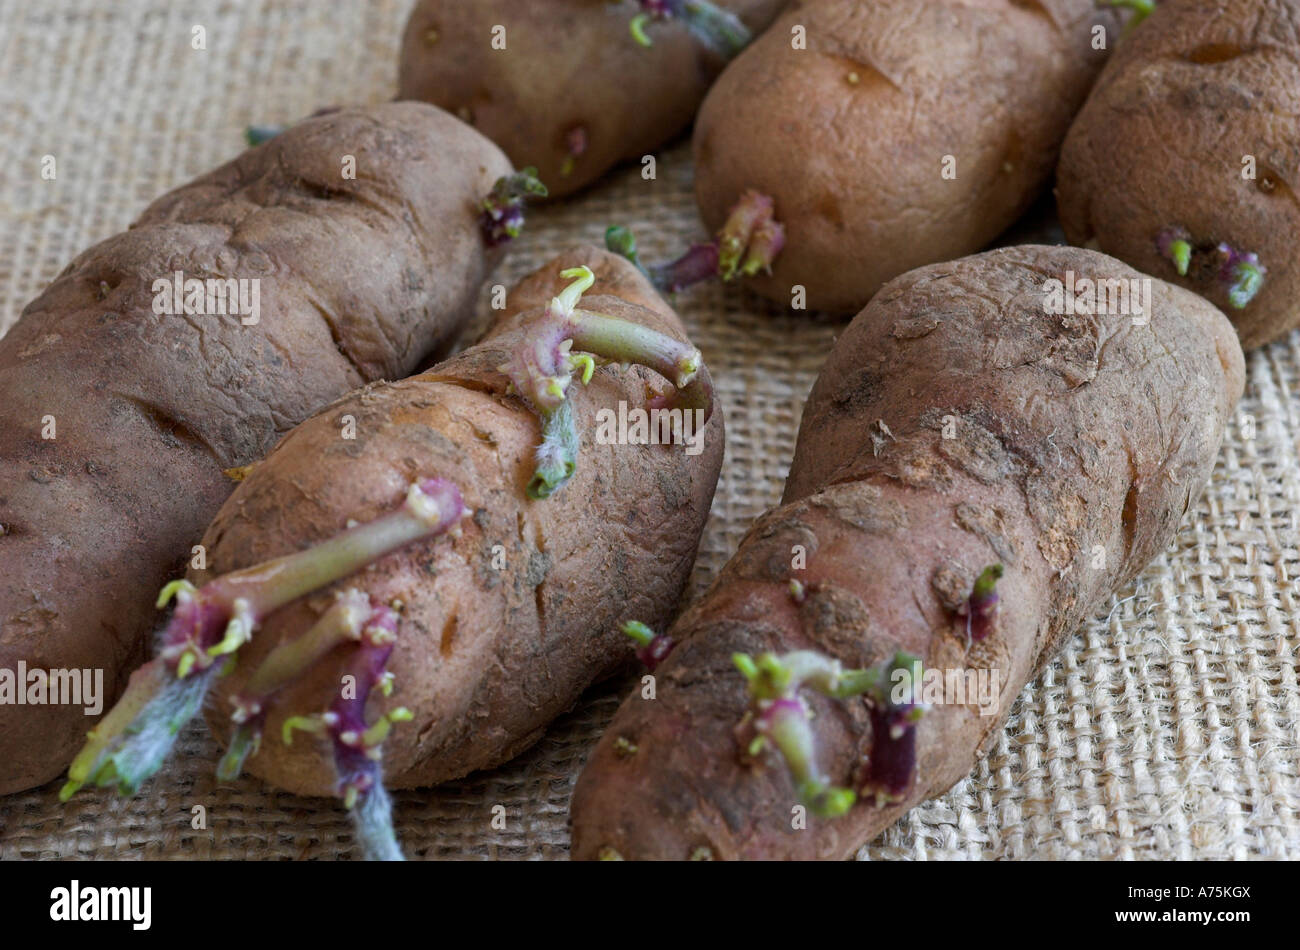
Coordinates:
(485,658)
(360,280)
(1070,432)
(567,64)
(855,167)
(1159,143)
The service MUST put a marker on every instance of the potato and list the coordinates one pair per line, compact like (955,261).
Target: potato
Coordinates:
(360,279)
(1193,133)
(956,425)
(571,93)
(904,133)
(503,627)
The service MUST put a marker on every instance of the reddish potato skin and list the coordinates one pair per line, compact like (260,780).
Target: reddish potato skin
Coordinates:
(151,408)
(1070,433)
(1160,141)
(485,658)
(567,64)
(854,165)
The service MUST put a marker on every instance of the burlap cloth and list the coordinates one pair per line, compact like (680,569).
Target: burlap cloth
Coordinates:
(1166,729)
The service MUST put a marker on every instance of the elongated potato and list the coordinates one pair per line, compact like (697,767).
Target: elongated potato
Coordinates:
(359,279)
(956,425)
(571,92)
(1192,135)
(503,627)
(893,133)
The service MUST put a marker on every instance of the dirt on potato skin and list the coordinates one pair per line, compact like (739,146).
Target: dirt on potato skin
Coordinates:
(487,654)
(1161,143)
(569,68)
(150,408)
(1069,433)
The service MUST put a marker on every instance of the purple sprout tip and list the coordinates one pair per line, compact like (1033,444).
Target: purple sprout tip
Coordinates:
(502,217)
(895,709)
(699,263)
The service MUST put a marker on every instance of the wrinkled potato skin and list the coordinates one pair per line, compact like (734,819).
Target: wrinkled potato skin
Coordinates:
(855,167)
(1160,142)
(360,279)
(567,64)
(485,658)
(1071,432)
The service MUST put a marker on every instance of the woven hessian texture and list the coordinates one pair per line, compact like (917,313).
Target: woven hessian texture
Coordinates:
(1166,729)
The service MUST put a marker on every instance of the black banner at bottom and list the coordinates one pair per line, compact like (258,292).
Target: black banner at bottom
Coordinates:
(613,901)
